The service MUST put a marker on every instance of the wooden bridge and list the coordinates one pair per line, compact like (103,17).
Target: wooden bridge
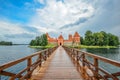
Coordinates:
(62,63)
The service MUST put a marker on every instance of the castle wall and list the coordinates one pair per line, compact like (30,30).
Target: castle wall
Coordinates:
(54,43)
(68,43)
(61,41)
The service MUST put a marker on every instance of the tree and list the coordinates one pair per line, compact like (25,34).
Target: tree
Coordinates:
(81,40)
(105,38)
(33,43)
(95,39)
(88,38)
(39,41)
(100,39)
(113,40)
(5,43)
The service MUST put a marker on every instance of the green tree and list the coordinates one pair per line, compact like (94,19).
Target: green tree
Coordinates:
(113,40)
(33,42)
(105,38)
(5,43)
(81,40)
(95,39)
(88,37)
(100,39)
(39,41)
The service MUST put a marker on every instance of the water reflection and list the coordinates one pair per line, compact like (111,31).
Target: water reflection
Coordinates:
(11,53)
(113,53)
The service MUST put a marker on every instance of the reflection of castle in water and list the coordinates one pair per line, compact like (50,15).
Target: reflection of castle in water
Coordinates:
(72,40)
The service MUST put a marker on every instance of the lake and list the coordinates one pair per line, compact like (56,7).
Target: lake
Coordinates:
(10,53)
(113,53)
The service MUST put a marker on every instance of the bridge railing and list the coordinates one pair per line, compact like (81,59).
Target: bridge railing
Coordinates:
(25,73)
(90,70)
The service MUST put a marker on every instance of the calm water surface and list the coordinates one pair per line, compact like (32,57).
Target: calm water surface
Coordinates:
(10,53)
(113,53)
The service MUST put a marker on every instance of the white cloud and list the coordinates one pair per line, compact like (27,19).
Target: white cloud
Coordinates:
(40,1)
(13,32)
(57,14)
(12,28)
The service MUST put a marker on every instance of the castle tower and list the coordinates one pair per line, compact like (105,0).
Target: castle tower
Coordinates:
(60,40)
(76,38)
(51,40)
(70,37)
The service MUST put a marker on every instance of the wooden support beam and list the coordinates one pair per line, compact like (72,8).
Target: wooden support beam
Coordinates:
(5,73)
(29,63)
(96,69)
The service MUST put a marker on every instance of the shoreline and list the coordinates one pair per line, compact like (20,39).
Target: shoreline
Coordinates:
(43,47)
(80,46)
(84,46)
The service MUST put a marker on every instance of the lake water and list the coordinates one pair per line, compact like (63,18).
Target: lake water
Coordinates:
(10,53)
(113,53)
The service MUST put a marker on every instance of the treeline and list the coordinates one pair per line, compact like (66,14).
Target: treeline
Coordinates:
(39,41)
(5,43)
(99,39)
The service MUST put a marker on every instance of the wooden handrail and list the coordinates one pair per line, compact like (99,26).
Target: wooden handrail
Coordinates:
(30,65)
(92,70)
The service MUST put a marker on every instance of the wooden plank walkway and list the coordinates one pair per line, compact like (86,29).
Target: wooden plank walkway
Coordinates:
(57,67)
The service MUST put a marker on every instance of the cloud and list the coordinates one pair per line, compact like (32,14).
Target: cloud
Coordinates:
(23,35)
(57,14)
(41,1)
(7,27)
(11,31)
(78,22)
(106,18)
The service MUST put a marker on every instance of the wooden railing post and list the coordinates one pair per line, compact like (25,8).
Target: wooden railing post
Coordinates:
(83,66)
(48,53)
(96,68)
(29,63)
(45,55)
(77,57)
(40,58)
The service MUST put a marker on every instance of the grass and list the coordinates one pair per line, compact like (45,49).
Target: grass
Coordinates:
(84,46)
(79,46)
(47,46)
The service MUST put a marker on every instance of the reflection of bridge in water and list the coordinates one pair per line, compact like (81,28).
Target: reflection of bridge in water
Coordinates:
(62,63)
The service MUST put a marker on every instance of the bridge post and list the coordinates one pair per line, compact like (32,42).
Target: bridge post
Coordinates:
(45,56)
(78,65)
(83,66)
(96,68)
(29,62)
(40,58)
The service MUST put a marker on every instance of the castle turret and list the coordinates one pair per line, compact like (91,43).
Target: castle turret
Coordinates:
(76,38)
(60,40)
(70,37)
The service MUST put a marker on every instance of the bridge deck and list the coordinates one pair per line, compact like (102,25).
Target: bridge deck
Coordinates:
(57,67)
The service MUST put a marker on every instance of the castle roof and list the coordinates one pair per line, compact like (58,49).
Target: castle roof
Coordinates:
(76,34)
(47,35)
(60,37)
(70,34)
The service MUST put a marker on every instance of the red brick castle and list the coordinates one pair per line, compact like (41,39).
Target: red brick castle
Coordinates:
(72,40)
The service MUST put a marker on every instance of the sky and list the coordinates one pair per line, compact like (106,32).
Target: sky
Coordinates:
(23,20)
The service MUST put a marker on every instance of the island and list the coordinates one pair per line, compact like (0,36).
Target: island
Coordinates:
(5,43)
(89,40)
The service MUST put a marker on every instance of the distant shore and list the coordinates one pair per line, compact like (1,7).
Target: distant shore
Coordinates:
(84,46)
(80,46)
(47,46)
